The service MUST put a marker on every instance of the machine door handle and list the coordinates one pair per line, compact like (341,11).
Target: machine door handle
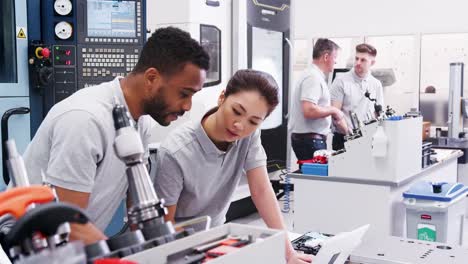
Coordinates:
(213,3)
(6,116)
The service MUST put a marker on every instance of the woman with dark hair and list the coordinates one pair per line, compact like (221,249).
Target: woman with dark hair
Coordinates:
(200,164)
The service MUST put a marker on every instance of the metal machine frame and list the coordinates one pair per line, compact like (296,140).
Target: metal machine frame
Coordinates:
(16,94)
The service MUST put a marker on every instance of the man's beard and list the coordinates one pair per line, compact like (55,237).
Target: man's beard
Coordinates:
(157,108)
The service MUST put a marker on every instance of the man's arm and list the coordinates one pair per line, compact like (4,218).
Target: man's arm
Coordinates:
(171,209)
(76,148)
(314,111)
(341,126)
(88,233)
(337,104)
(311,92)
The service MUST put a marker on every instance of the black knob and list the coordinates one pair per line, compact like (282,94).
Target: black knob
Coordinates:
(437,188)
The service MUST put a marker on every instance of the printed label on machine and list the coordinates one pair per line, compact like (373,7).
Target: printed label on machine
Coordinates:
(21,32)
(427,232)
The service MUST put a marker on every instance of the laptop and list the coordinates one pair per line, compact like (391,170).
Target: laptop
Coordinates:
(336,249)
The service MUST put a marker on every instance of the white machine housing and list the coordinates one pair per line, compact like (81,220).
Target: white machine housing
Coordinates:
(269,249)
(396,250)
(403,158)
(189,15)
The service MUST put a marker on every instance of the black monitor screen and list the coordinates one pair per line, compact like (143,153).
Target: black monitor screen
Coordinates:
(115,19)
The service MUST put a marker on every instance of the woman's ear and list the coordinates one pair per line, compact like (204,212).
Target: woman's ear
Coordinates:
(221,97)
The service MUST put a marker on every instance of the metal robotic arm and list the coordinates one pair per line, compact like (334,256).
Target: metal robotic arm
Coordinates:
(147,211)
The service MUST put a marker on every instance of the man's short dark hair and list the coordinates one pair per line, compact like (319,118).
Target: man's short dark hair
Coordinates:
(366,48)
(169,50)
(323,46)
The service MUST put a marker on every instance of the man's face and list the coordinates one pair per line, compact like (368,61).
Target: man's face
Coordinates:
(330,60)
(363,63)
(171,96)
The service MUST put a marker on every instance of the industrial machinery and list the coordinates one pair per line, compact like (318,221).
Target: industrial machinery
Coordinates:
(14,91)
(209,22)
(457,111)
(261,32)
(398,157)
(33,227)
(396,250)
(147,209)
(263,245)
(146,214)
(77,43)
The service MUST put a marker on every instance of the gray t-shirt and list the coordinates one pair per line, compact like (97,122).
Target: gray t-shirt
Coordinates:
(198,177)
(350,89)
(311,87)
(74,148)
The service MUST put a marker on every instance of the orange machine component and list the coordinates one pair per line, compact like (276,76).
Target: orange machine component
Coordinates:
(17,200)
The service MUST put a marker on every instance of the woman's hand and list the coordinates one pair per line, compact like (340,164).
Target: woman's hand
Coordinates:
(299,258)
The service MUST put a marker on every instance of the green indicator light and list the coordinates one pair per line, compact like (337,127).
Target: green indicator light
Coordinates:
(56,48)
(57,58)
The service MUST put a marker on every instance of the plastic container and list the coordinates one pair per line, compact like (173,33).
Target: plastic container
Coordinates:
(435,211)
(395,118)
(379,143)
(315,169)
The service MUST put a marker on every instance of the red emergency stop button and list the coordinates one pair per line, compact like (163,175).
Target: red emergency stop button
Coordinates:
(46,53)
(42,53)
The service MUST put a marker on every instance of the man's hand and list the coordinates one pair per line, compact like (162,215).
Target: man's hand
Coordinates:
(337,114)
(88,233)
(340,122)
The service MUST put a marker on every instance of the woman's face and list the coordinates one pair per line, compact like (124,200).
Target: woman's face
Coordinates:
(240,114)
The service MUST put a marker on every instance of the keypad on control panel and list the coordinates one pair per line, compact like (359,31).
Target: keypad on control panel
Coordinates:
(107,62)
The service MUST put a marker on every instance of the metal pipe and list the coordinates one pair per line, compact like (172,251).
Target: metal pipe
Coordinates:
(455,120)
(16,167)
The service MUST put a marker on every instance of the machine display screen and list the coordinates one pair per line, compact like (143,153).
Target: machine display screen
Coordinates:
(116,19)
(267,55)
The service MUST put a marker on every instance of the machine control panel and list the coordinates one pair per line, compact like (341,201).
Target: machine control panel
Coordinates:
(111,22)
(64,62)
(92,41)
(110,39)
(98,64)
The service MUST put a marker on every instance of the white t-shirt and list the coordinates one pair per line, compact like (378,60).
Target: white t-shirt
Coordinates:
(74,148)
(350,90)
(313,88)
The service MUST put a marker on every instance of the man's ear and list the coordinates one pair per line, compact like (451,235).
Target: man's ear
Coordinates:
(221,97)
(152,76)
(372,62)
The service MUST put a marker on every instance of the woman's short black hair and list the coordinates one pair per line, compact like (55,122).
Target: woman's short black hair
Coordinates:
(169,50)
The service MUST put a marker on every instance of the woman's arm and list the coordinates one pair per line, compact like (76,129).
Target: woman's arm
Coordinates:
(265,200)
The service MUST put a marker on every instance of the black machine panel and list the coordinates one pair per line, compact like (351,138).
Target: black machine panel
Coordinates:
(111,35)
(271,19)
(90,42)
(64,64)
